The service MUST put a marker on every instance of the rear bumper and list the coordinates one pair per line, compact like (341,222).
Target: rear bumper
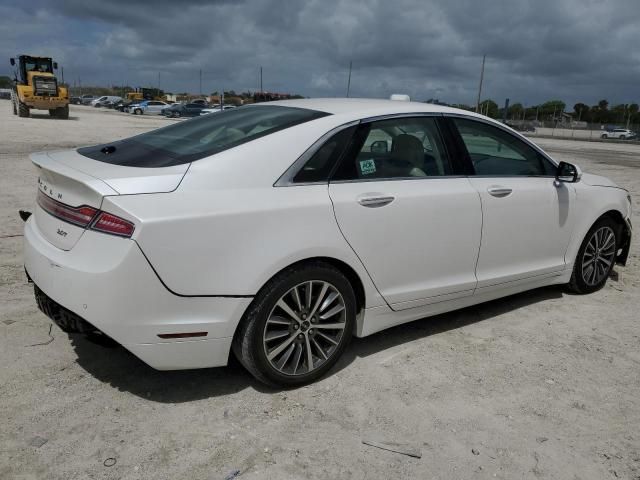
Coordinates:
(105,282)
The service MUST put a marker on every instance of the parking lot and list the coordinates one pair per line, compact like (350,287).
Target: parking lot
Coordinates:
(544,384)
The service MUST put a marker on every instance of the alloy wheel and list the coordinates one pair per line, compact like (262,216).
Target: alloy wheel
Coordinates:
(599,256)
(304,328)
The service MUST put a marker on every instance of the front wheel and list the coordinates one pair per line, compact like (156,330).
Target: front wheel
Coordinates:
(622,137)
(605,136)
(137,111)
(23,110)
(63,112)
(297,326)
(596,257)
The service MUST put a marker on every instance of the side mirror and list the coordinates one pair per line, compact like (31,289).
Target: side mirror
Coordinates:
(55,65)
(379,146)
(568,173)
(12,61)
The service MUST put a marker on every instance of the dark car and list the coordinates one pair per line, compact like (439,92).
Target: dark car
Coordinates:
(75,100)
(183,110)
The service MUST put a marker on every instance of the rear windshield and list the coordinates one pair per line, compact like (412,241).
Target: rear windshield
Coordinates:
(201,137)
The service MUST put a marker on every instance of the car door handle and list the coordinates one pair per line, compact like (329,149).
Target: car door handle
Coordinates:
(499,191)
(377,201)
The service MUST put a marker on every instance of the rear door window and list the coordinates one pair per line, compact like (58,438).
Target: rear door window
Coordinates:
(201,137)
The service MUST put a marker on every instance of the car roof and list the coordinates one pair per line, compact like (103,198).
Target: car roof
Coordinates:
(365,107)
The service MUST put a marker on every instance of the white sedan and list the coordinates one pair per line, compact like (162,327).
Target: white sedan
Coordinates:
(279,230)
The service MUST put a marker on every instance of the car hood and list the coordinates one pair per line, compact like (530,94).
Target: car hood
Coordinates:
(598,181)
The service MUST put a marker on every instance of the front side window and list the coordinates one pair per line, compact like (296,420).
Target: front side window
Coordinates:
(495,152)
(201,137)
(406,147)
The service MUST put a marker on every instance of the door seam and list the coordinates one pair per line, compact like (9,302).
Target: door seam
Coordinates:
(335,217)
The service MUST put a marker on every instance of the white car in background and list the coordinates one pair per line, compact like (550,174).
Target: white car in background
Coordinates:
(279,230)
(216,109)
(619,133)
(105,98)
(149,107)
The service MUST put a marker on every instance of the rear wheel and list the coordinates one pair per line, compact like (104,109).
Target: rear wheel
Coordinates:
(15,110)
(137,111)
(622,137)
(596,257)
(23,110)
(297,326)
(604,135)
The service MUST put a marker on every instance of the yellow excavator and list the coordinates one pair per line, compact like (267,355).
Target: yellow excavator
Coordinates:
(36,86)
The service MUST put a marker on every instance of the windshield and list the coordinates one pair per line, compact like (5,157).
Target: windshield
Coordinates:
(32,64)
(201,137)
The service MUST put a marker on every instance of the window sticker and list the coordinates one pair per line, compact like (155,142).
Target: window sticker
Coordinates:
(367,167)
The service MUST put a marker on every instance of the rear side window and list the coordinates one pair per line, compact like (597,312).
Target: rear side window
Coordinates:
(319,166)
(201,137)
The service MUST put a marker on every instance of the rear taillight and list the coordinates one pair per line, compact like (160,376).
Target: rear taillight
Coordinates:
(86,217)
(80,216)
(107,223)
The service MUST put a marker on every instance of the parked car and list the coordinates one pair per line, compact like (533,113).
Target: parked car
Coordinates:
(618,133)
(279,230)
(216,109)
(105,101)
(75,100)
(153,107)
(87,99)
(182,110)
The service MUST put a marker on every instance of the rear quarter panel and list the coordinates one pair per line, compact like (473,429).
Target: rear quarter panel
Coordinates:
(227,230)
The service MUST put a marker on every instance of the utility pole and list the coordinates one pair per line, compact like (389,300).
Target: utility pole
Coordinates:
(200,82)
(506,109)
(349,80)
(260,79)
(62,72)
(158,82)
(480,86)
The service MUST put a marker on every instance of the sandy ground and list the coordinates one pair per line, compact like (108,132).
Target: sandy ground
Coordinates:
(539,385)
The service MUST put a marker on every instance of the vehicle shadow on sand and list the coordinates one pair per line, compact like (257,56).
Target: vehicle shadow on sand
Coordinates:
(122,370)
(46,116)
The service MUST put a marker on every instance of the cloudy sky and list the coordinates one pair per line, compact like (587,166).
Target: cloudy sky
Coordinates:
(573,50)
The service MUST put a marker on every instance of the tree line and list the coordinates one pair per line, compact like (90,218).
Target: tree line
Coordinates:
(552,110)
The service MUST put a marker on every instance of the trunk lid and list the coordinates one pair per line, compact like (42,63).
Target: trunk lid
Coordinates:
(75,181)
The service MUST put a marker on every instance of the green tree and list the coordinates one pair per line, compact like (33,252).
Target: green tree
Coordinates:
(489,108)
(515,111)
(582,111)
(5,82)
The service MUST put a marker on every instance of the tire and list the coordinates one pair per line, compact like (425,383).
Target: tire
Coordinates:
(63,112)
(53,112)
(605,136)
(622,137)
(23,110)
(250,344)
(137,111)
(15,110)
(581,278)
